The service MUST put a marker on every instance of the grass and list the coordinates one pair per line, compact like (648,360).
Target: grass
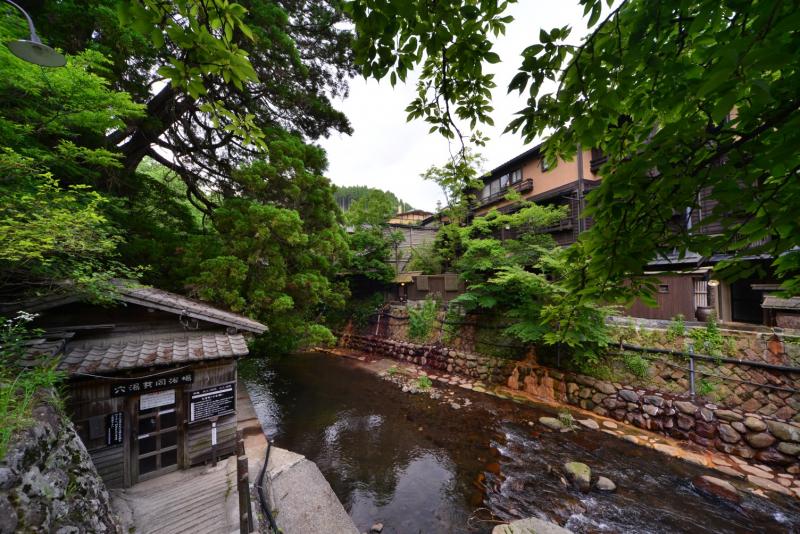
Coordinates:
(21,387)
(19,393)
(636,365)
(424,382)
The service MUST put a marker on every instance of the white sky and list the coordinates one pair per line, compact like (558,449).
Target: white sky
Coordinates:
(388,153)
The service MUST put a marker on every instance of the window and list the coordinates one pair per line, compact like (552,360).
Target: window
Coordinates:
(515,176)
(494,186)
(486,192)
(504,181)
(663,288)
(544,165)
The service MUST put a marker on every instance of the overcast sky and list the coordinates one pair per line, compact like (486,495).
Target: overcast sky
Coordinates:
(388,153)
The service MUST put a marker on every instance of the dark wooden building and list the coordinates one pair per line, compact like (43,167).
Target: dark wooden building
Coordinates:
(151,382)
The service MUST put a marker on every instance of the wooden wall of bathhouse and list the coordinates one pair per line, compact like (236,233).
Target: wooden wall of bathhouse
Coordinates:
(198,435)
(90,398)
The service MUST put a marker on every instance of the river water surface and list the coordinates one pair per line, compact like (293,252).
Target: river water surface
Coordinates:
(419,466)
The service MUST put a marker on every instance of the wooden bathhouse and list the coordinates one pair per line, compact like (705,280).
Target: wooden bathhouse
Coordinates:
(151,378)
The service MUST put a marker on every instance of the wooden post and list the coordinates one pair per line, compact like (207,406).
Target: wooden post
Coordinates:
(243,487)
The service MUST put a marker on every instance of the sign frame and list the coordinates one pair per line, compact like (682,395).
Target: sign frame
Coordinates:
(208,391)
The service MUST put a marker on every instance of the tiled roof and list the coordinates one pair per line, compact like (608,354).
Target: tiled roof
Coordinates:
(172,302)
(130,354)
(150,297)
(778,303)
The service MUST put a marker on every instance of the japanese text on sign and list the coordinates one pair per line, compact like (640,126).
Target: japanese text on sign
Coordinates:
(212,402)
(114,428)
(144,385)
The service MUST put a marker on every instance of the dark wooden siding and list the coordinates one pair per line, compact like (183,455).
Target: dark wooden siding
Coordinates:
(198,435)
(110,463)
(678,299)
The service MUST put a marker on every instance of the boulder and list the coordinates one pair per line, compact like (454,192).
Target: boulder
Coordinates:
(762,440)
(768,484)
(605,387)
(605,484)
(589,423)
(792,449)
(579,474)
(772,456)
(532,524)
(728,434)
(686,407)
(628,395)
(716,488)
(728,415)
(655,400)
(784,431)
(685,422)
(551,423)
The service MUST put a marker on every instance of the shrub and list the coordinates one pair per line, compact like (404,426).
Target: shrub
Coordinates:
(677,328)
(420,320)
(708,339)
(566,419)
(423,382)
(636,365)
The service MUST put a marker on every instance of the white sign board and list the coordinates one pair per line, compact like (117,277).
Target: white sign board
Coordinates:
(154,400)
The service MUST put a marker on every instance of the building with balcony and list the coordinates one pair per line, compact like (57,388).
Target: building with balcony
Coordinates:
(683,282)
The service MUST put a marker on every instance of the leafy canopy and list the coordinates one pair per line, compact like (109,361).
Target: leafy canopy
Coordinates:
(690,100)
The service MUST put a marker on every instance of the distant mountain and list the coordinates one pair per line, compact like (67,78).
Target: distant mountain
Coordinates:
(346,195)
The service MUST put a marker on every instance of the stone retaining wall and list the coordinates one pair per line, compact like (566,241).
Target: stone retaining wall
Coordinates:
(470,364)
(736,431)
(48,482)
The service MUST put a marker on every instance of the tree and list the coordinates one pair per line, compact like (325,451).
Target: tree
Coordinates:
(53,226)
(217,79)
(688,100)
(371,240)
(346,195)
(519,275)
(459,179)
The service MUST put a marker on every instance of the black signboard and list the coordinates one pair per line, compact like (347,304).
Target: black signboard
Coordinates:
(144,385)
(115,426)
(212,402)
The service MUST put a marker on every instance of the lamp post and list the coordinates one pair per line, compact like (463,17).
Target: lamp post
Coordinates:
(33,50)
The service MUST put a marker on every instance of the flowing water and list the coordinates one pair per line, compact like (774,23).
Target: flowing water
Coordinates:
(419,466)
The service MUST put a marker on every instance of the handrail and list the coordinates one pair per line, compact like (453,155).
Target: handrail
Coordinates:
(262,498)
(707,357)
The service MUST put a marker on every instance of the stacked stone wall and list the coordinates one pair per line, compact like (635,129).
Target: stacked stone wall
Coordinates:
(48,482)
(736,431)
(436,357)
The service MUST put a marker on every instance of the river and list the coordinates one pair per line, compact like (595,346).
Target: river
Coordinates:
(420,466)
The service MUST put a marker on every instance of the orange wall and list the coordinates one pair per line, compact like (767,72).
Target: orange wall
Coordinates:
(563,173)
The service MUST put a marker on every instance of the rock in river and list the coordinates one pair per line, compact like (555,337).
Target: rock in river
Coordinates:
(532,524)
(579,474)
(605,484)
(551,422)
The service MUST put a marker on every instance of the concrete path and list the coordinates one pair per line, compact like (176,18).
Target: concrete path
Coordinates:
(201,500)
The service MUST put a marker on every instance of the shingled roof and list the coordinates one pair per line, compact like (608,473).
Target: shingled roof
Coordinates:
(133,354)
(150,297)
(171,302)
(125,354)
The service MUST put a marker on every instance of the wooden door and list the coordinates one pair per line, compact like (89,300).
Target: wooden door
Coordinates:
(155,436)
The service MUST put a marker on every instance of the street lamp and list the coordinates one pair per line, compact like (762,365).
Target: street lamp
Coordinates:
(33,50)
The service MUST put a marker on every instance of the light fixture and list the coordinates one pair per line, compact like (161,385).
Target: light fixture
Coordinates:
(713,282)
(33,50)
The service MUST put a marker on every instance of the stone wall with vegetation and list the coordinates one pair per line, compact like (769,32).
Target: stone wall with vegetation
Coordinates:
(735,431)
(486,368)
(748,411)
(48,482)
